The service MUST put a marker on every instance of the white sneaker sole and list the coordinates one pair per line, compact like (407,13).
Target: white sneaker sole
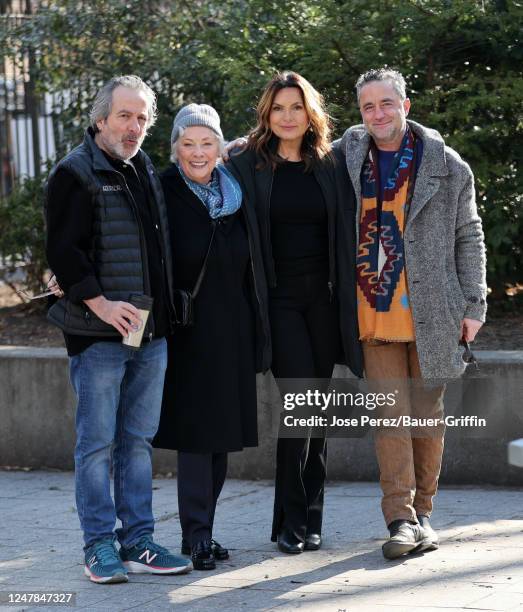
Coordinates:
(120,577)
(133,567)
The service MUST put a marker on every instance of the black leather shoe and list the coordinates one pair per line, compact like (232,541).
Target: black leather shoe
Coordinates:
(312,541)
(405,537)
(220,553)
(202,557)
(430,533)
(289,543)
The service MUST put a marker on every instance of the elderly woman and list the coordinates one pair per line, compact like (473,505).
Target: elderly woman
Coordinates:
(209,403)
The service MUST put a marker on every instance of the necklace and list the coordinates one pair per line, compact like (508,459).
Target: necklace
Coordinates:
(288,158)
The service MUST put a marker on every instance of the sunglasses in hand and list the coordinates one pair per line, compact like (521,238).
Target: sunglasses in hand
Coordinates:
(468,355)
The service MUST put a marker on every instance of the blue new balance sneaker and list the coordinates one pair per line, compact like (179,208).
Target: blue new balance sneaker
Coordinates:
(147,557)
(103,564)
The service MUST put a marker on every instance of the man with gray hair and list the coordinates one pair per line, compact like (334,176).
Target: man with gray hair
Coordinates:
(421,288)
(108,244)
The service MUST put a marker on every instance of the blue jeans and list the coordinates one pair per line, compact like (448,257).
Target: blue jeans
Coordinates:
(119,392)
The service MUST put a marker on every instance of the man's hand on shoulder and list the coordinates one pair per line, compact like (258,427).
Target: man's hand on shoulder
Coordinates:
(469,329)
(238,143)
(337,145)
(123,316)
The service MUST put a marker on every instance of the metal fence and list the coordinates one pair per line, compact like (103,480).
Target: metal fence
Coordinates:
(27,125)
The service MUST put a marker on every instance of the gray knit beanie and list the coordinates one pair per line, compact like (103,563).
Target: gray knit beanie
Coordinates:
(196,114)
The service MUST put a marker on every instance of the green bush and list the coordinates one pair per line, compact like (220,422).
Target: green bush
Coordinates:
(22,234)
(462,61)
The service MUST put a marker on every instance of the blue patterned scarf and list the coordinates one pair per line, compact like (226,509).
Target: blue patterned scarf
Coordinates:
(221,197)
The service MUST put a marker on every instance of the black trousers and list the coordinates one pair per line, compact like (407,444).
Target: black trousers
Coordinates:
(200,481)
(306,343)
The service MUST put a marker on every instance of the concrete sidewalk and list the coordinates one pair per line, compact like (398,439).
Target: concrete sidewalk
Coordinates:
(478,567)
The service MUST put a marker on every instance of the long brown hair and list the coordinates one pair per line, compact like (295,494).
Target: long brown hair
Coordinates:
(316,140)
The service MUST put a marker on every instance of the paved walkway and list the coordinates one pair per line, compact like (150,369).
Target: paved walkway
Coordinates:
(478,567)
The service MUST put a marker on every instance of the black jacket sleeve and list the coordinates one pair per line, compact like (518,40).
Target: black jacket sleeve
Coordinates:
(69,222)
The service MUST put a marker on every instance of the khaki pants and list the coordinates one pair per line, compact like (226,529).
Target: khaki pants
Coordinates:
(409,461)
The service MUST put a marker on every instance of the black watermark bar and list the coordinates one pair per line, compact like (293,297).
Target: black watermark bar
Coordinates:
(472,407)
(37,598)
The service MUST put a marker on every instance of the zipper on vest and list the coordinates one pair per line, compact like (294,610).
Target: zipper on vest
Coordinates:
(331,293)
(145,261)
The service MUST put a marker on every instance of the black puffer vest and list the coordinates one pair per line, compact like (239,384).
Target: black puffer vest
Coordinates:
(118,249)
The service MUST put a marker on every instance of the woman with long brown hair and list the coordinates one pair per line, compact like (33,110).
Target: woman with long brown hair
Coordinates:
(305,205)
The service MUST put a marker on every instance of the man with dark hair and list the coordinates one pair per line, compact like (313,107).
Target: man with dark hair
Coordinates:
(421,288)
(107,242)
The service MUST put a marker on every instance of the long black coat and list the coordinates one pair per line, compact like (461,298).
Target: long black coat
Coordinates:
(335,184)
(209,402)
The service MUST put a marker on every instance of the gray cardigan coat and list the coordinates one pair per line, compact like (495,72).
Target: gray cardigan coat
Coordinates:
(444,248)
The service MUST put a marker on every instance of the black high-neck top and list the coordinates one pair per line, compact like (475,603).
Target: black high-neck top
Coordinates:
(299,231)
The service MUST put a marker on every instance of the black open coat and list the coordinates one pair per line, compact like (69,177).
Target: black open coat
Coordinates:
(209,402)
(334,181)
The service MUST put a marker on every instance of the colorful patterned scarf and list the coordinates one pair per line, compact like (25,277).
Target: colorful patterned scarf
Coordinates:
(383,303)
(221,197)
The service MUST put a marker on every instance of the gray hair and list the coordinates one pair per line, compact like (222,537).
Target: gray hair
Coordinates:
(383,74)
(181,131)
(104,99)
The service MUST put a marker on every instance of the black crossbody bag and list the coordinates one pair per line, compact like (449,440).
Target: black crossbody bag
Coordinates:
(184,299)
